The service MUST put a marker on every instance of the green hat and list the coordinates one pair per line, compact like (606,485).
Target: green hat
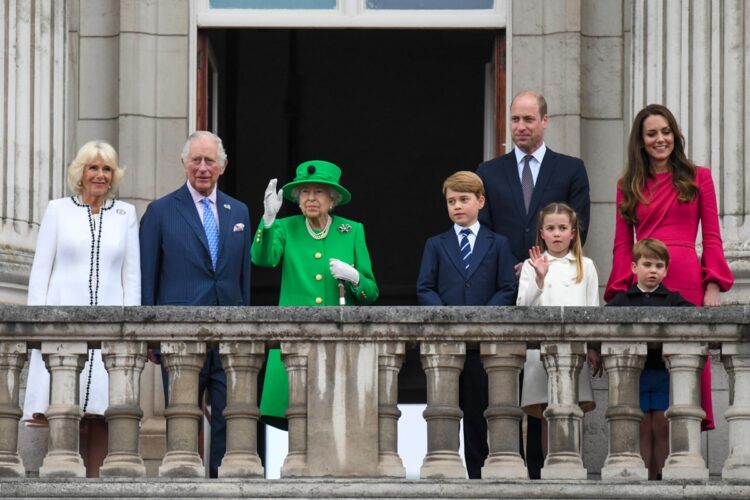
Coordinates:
(319,172)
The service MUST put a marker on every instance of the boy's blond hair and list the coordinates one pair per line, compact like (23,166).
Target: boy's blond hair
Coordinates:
(464,182)
(650,247)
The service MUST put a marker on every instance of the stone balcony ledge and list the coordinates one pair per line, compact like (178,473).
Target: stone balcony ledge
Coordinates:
(398,324)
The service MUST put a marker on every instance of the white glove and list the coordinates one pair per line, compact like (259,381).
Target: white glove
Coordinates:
(272,201)
(343,271)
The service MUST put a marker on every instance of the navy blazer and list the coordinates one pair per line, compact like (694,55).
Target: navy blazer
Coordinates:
(561,179)
(176,264)
(490,280)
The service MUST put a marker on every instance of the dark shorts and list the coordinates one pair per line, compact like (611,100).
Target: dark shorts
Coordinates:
(654,389)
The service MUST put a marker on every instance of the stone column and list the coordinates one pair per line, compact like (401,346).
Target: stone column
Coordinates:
(65,361)
(33,81)
(503,362)
(12,358)
(295,357)
(183,361)
(442,363)
(736,359)
(124,362)
(563,362)
(242,362)
(685,363)
(390,359)
(624,362)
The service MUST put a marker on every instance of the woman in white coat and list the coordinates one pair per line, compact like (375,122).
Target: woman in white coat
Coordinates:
(87,254)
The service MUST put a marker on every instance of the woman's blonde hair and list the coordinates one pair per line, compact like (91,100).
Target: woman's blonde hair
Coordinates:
(575,244)
(87,154)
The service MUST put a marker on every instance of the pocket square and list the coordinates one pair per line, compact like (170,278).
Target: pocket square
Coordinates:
(238,227)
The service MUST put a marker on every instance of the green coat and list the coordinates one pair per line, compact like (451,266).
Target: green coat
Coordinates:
(306,280)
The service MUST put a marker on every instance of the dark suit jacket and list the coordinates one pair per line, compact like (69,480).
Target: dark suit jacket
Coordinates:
(561,179)
(490,280)
(175,261)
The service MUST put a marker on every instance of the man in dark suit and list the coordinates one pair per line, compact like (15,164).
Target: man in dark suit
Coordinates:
(195,251)
(468,265)
(518,185)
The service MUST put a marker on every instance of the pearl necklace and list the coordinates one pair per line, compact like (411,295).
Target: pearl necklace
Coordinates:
(323,233)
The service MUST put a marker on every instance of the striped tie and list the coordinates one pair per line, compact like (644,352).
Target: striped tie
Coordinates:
(465,247)
(212,230)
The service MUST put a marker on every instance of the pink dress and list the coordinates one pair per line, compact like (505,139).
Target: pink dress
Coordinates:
(676,224)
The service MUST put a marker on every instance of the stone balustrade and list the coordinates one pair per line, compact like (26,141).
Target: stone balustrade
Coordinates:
(343,365)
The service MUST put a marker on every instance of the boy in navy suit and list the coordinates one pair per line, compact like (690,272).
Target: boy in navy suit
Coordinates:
(468,265)
(650,259)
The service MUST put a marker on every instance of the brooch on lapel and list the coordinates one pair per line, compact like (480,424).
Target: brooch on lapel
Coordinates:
(227,206)
(120,211)
(344,228)
(238,227)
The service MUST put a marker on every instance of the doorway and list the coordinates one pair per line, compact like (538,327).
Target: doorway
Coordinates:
(397,110)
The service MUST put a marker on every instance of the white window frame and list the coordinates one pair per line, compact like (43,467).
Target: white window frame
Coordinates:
(347,14)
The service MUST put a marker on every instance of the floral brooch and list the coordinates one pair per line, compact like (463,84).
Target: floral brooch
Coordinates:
(344,228)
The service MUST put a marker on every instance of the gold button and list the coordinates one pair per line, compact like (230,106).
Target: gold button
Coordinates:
(318,300)
(318,255)
(318,277)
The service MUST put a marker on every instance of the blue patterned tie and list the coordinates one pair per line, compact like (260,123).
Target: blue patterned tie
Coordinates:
(465,247)
(212,230)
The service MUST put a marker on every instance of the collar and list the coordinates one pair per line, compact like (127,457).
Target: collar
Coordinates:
(570,257)
(197,197)
(637,290)
(474,228)
(538,154)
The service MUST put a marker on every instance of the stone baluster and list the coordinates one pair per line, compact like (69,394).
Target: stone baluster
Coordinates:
(503,363)
(685,362)
(442,363)
(624,363)
(65,361)
(242,361)
(563,362)
(736,359)
(124,362)
(183,361)
(295,356)
(390,359)
(12,357)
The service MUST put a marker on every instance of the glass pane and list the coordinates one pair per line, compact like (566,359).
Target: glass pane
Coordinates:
(272,4)
(430,4)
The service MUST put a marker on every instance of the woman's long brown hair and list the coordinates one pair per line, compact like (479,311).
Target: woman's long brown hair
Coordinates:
(638,167)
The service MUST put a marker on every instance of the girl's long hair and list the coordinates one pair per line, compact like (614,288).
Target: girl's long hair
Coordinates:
(638,167)
(575,243)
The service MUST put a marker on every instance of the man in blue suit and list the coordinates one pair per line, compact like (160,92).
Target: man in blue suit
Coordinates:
(521,183)
(195,251)
(468,265)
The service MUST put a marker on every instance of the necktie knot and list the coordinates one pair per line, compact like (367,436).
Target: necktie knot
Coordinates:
(466,231)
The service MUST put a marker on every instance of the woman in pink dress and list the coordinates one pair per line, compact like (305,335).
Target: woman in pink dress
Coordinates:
(663,195)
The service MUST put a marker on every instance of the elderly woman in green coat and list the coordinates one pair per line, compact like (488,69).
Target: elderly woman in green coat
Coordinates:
(317,251)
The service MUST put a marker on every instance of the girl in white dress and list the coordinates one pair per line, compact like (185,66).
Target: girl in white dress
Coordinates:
(87,253)
(557,274)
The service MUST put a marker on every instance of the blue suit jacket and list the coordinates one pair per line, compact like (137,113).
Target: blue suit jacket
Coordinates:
(561,179)
(490,280)
(175,261)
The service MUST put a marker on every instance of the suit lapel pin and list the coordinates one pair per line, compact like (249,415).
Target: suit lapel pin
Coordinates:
(344,228)
(227,206)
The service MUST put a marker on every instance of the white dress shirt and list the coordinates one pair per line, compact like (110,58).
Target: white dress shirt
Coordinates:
(472,237)
(535,163)
(198,200)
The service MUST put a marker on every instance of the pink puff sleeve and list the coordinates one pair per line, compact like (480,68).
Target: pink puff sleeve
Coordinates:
(714,265)
(621,276)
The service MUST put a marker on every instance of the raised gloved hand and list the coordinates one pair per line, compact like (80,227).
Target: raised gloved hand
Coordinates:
(343,271)
(272,201)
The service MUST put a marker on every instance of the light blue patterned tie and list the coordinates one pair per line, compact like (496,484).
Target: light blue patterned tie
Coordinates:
(465,247)
(212,230)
